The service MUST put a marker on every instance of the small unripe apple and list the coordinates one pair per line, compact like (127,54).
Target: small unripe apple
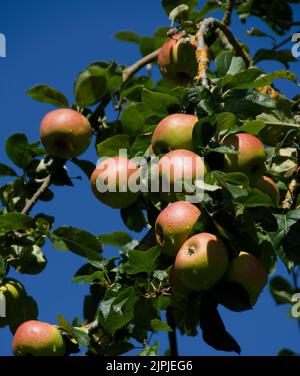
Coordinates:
(201,262)
(250,158)
(13,292)
(249,272)
(174,224)
(65,133)
(174,132)
(38,339)
(179,168)
(268,186)
(113,175)
(177,59)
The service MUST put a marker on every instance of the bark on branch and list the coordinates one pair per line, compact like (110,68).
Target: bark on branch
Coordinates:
(29,205)
(130,71)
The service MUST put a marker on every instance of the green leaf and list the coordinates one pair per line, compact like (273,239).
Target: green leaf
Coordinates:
(169,5)
(213,330)
(78,241)
(142,261)
(268,79)
(287,352)
(121,310)
(6,171)
(18,150)
(134,118)
(150,350)
(2,267)
(140,145)
(128,36)
(160,103)
(245,77)
(287,234)
(14,222)
(203,131)
(160,326)
(28,259)
(119,348)
(116,239)
(79,334)
(90,85)
(254,32)
(281,290)
(133,218)
(209,7)
(284,56)
(253,127)
(112,145)
(225,120)
(47,94)
(181,8)
(86,166)
(223,62)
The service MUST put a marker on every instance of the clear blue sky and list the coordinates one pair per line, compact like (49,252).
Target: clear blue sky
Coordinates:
(50,42)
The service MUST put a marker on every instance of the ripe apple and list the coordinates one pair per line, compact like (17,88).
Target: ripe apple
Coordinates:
(248,271)
(201,262)
(174,132)
(65,133)
(177,170)
(174,224)
(250,158)
(38,339)
(13,292)
(177,59)
(113,174)
(178,290)
(268,186)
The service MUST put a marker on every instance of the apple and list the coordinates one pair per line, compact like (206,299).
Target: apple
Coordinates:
(38,339)
(178,290)
(65,133)
(268,186)
(174,224)
(251,156)
(201,262)
(13,292)
(113,174)
(178,169)
(174,132)
(249,272)
(177,59)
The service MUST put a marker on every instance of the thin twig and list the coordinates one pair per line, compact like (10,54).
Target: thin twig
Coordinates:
(130,71)
(29,205)
(213,24)
(228,12)
(282,43)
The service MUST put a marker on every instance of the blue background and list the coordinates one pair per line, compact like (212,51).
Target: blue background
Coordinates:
(50,42)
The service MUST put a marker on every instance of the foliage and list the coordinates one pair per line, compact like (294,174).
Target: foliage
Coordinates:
(130,293)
